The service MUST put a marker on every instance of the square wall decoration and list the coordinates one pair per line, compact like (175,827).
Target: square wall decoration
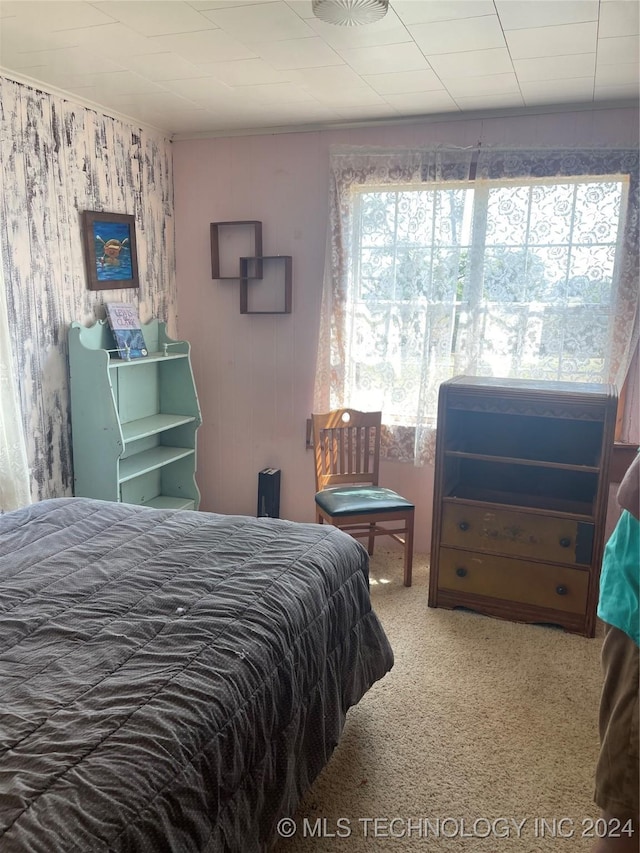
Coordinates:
(229,242)
(266,284)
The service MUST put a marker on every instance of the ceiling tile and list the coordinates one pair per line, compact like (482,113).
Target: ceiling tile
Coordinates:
(19,36)
(297,53)
(212,5)
(123,83)
(455,36)
(38,73)
(216,5)
(301,113)
(423,103)
(623,74)
(198,87)
(205,46)
(490,102)
(154,19)
(116,40)
(186,122)
(524,14)
(554,67)
(275,93)
(393,57)
(332,77)
(44,15)
(73,60)
(488,84)
(243,108)
(441,10)
(612,51)
(262,22)
(244,72)
(472,63)
(157,104)
(404,82)
(163,66)
(282,114)
(557,91)
(613,93)
(360,96)
(619,18)
(357,112)
(303,8)
(552,41)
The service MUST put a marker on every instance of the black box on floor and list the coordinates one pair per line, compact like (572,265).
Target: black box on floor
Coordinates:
(269,493)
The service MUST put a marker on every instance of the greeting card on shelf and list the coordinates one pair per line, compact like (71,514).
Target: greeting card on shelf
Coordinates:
(127,332)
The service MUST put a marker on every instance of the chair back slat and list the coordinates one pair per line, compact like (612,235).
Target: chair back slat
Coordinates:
(347,447)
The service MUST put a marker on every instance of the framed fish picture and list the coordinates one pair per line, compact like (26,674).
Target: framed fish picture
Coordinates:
(110,250)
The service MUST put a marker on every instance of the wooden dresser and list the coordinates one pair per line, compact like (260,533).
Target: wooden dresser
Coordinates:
(520,498)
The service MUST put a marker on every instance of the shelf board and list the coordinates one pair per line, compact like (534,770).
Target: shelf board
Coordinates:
(153,356)
(517,500)
(510,460)
(149,460)
(168,502)
(143,427)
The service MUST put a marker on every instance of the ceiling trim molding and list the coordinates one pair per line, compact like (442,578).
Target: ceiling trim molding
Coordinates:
(432,118)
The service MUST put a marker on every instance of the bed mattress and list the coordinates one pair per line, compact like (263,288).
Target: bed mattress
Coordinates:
(172,681)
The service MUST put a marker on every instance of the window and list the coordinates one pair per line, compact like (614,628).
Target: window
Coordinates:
(485,262)
(496,279)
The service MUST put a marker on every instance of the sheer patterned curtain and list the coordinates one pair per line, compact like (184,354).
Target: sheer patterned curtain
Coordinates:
(14,470)
(473,261)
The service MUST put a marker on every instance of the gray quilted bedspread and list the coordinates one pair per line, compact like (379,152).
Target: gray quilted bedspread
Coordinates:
(171,681)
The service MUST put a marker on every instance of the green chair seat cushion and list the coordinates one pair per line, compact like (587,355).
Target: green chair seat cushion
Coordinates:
(348,500)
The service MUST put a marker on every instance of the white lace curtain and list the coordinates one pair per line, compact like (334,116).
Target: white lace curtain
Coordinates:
(425,280)
(14,470)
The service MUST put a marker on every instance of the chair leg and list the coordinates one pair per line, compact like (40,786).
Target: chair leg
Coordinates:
(372,539)
(408,551)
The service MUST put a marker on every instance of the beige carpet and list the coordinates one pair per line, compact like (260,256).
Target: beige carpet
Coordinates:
(482,724)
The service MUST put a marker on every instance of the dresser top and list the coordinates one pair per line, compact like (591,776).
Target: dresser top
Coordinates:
(495,383)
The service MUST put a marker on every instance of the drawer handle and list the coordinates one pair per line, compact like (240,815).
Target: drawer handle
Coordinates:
(461,572)
(561,589)
(464,526)
(565,542)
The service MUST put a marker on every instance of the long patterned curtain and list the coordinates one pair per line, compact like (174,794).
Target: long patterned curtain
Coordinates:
(442,262)
(14,471)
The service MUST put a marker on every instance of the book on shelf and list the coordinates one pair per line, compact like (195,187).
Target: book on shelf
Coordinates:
(127,332)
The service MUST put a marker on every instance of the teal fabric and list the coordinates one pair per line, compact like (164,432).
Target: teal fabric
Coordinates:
(346,500)
(620,578)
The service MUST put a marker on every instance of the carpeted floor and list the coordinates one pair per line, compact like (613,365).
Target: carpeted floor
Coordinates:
(482,738)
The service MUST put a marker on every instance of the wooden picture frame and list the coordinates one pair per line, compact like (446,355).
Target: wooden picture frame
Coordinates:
(110,250)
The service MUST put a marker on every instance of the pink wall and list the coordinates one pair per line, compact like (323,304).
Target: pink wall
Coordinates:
(255,373)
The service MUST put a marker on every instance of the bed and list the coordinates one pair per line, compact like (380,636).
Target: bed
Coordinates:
(172,680)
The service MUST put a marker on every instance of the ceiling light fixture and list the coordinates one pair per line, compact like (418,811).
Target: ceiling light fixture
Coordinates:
(350,13)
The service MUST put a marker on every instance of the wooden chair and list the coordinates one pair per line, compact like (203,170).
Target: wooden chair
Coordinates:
(347,456)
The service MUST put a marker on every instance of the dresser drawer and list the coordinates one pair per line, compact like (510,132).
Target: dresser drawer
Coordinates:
(549,538)
(555,587)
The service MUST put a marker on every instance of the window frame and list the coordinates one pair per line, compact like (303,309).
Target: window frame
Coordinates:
(471,300)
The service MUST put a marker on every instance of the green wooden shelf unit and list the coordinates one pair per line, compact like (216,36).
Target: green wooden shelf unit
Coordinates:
(134,423)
